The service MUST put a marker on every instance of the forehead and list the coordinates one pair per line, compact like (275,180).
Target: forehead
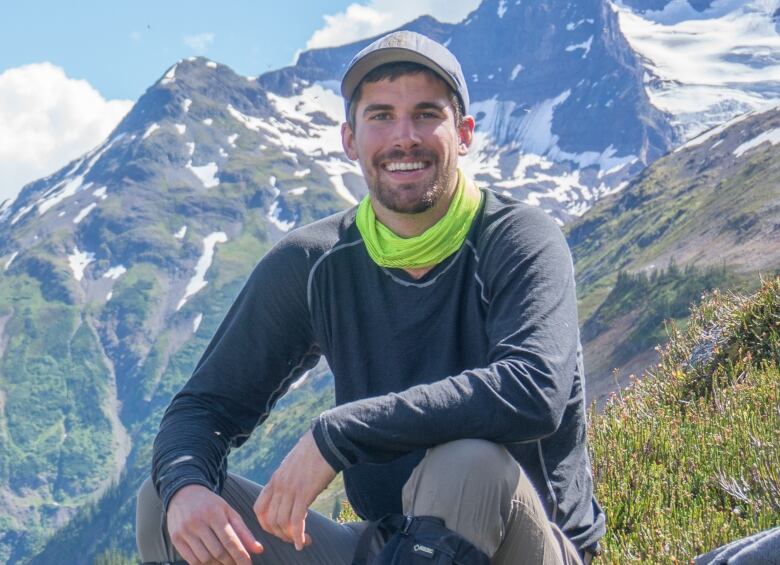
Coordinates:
(404,90)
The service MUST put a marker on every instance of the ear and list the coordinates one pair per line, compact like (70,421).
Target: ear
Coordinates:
(348,141)
(465,135)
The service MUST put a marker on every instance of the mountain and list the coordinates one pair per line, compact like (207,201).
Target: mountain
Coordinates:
(544,78)
(116,270)
(706,61)
(705,216)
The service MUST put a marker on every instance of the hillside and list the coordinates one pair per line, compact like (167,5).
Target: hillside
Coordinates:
(703,217)
(686,459)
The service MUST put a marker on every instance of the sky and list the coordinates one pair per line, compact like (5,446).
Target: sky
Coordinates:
(69,71)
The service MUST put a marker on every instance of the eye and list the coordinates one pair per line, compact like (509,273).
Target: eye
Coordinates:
(380,116)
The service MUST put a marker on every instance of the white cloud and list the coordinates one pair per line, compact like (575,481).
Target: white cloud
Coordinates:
(359,21)
(200,41)
(46,120)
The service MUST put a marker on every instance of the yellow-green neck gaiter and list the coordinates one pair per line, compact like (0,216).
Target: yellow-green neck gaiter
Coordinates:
(432,246)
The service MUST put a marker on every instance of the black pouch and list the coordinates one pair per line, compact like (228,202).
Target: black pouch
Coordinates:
(417,540)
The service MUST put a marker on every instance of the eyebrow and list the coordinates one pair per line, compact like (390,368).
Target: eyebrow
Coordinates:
(387,107)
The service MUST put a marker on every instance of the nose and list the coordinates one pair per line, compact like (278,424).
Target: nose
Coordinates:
(405,133)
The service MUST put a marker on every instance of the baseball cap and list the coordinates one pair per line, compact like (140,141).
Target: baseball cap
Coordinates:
(400,47)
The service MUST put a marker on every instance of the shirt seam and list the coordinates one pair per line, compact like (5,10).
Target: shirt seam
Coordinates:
(314,267)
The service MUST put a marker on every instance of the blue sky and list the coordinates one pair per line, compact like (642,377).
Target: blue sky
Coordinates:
(69,71)
(122,47)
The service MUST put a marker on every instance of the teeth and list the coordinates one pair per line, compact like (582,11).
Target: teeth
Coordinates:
(404,166)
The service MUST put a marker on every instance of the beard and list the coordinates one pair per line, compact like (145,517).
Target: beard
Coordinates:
(409,198)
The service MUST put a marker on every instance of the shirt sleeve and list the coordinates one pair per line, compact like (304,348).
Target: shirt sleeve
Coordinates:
(263,344)
(522,392)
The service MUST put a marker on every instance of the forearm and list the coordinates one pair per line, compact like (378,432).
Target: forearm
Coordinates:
(190,448)
(505,402)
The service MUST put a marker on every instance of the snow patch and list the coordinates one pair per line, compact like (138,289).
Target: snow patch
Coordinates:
(186,104)
(585,45)
(181,128)
(299,130)
(515,72)
(150,130)
(303,173)
(10,260)
(335,168)
(191,148)
(115,272)
(109,295)
(199,282)
(101,192)
(78,261)
(83,213)
(772,136)
(196,322)
(300,380)
(180,234)
(274,216)
(206,173)
(223,153)
(501,8)
(211,65)
(68,186)
(232,139)
(297,191)
(170,75)
(208,121)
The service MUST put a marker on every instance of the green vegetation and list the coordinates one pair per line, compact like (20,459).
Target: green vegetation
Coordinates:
(56,443)
(665,294)
(115,557)
(687,458)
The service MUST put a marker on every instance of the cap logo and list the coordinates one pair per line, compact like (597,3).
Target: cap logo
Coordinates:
(395,41)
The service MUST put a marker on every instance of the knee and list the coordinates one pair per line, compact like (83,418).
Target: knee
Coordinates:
(466,469)
(147,497)
(473,461)
(148,516)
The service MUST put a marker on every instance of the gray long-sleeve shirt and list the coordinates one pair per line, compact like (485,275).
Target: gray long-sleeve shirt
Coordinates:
(485,345)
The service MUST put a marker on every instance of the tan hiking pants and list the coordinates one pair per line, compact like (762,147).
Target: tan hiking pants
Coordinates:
(475,486)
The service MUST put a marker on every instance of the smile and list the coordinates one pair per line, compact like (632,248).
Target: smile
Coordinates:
(398,166)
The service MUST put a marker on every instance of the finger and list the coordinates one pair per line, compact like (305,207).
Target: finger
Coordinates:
(233,546)
(284,506)
(265,511)
(185,551)
(298,524)
(245,536)
(262,506)
(202,554)
(217,550)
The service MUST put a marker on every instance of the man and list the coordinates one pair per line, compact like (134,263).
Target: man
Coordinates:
(447,314)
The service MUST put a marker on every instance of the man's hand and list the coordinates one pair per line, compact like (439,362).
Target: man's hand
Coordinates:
(282,506)
(205,529)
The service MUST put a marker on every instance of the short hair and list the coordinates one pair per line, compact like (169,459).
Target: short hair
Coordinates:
(392,71)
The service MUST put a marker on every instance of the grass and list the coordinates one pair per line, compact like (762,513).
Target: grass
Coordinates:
(687,458)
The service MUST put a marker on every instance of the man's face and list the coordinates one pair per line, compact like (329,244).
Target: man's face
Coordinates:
(407,142)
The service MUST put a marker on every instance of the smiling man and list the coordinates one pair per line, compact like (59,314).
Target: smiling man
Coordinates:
(447,314)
